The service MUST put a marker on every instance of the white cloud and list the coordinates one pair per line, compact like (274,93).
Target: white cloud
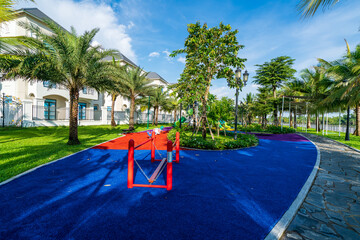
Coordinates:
(154,54)
(221,92)
(167,55)
(130,25)
(181,59)
(85,15)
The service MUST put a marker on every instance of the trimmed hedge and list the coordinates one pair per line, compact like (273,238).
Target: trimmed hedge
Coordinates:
(268,129)
(220,143)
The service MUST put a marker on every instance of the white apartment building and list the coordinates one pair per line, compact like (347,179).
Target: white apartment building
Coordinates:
(46,104)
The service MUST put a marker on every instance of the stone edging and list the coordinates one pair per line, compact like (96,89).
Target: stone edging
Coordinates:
(357,150)
(33,169)
(289,215)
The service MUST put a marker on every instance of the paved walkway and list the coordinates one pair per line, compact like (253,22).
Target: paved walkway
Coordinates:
(332,208)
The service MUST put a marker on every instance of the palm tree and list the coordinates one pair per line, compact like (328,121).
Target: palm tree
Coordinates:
(7,12)
(173,105)
(346,73)
(62,58)
(134,85)
(316,87)
(114,91)
(159,99)
(293,89)
(309,7)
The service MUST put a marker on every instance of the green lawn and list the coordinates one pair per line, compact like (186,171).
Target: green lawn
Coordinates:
(354,140)
(25,148)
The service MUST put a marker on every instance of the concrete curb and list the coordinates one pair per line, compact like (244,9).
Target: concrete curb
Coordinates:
(33,169)
(289,215)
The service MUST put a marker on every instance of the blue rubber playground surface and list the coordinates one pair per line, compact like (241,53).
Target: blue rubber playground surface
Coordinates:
(236,194)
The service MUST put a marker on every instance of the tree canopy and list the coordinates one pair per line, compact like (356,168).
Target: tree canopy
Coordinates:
(210,53)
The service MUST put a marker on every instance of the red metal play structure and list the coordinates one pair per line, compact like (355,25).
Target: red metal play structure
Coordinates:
(165,161)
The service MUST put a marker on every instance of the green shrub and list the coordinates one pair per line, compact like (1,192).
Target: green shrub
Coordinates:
(268,129)
(277,129)
(187,140)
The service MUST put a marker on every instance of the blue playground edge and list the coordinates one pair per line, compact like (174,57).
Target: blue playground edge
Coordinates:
(238,194)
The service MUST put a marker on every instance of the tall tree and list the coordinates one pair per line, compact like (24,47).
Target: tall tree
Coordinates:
(62,58)
(134,85)
(264,104)
(210,53)
(249,106)
(273,75)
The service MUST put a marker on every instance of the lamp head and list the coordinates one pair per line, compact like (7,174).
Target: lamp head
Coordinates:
(245,77)
(238,73)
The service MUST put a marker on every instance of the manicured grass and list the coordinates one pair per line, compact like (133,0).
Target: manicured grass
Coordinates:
(25,148)
(354,140)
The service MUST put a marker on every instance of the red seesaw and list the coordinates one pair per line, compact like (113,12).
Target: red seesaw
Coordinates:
(158,170)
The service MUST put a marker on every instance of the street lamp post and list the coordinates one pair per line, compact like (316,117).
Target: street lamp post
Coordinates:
(238,82)
(148,114)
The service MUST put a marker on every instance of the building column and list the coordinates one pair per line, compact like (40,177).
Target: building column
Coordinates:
(27,110)
(90,113)
(104,115)
(38,110)
(67,110)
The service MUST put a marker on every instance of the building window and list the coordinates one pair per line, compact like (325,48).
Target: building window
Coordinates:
(84,90)
(82,111)
(95,108)
(49,84)
(91,91)
(109,109)
(50,109)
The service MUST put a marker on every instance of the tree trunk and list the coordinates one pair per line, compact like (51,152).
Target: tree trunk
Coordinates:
(250,119)
(175,115)
(218,129)
(74,113)
(156,115)
(132,111)
(291,119)
(308,125)
(153,120)
(317,122)
(280,118)
(265,120)
(295,121)
(113,98)
(276,122)
(357,120)
(322,122)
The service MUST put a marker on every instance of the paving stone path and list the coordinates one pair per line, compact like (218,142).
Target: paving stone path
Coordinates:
(331,209)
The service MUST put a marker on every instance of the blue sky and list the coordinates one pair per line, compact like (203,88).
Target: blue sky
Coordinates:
(147,31)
